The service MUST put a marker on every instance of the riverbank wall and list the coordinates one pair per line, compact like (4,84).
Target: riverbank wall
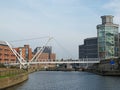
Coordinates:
(104,73)
(106,68)
(12,80)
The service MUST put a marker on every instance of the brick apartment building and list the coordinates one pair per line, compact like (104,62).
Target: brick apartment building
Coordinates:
(6,55)
(46,54)
(25,52)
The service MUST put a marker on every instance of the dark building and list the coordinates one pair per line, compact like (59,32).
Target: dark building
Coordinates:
(81,51)
(119,46)
(47,49)
(89,49)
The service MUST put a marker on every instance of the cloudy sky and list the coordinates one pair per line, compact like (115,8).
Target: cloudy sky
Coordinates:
(68,21)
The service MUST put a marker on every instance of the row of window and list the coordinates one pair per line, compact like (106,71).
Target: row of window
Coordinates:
(8,59)
(7,55)
(4,49)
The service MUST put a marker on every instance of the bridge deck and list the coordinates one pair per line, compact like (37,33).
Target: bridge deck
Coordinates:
(59,62)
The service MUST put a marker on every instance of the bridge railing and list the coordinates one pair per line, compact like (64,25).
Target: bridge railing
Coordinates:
(89,59)
(83,59)
(66,61)
(43,61)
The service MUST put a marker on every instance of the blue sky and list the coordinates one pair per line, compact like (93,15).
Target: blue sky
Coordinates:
(68,21)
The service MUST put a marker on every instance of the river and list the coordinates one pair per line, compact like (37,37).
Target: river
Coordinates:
(58,80)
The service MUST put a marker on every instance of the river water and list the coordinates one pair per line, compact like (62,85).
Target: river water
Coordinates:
(58,80)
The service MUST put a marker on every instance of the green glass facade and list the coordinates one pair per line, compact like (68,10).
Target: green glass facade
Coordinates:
(108,38)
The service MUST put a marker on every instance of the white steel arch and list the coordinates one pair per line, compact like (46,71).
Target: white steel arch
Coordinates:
(37,55)
(22,61)
(19,57)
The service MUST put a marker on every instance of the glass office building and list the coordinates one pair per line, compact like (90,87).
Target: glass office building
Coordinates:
(89,48)
(108,38)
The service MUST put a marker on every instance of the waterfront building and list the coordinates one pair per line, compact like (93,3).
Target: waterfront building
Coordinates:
(6,55)
(47,49)
(46,53)
(89,49)
(119,46)
(108,38)
(82,51)
(25,52)
(45,56)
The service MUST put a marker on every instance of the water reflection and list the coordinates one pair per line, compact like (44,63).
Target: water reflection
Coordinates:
(47,80)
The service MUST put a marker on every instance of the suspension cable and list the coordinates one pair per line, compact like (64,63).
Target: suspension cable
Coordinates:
(60,45)
(29,39)
(41,50)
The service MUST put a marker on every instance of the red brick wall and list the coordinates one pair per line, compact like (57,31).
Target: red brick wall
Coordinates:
(23,50)
(43,56)
(6,55)
(53,56)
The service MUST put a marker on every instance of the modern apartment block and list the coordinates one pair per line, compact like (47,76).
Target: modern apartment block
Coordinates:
(108,38)
(6,55)
(89,49)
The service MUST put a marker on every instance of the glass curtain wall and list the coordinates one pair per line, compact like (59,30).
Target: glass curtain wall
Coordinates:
(108,41)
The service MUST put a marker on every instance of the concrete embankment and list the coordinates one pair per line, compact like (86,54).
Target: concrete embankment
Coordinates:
(9,81)
(106,68)
(105,73)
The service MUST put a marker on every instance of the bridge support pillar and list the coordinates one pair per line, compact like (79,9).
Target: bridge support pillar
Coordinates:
(20,66)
